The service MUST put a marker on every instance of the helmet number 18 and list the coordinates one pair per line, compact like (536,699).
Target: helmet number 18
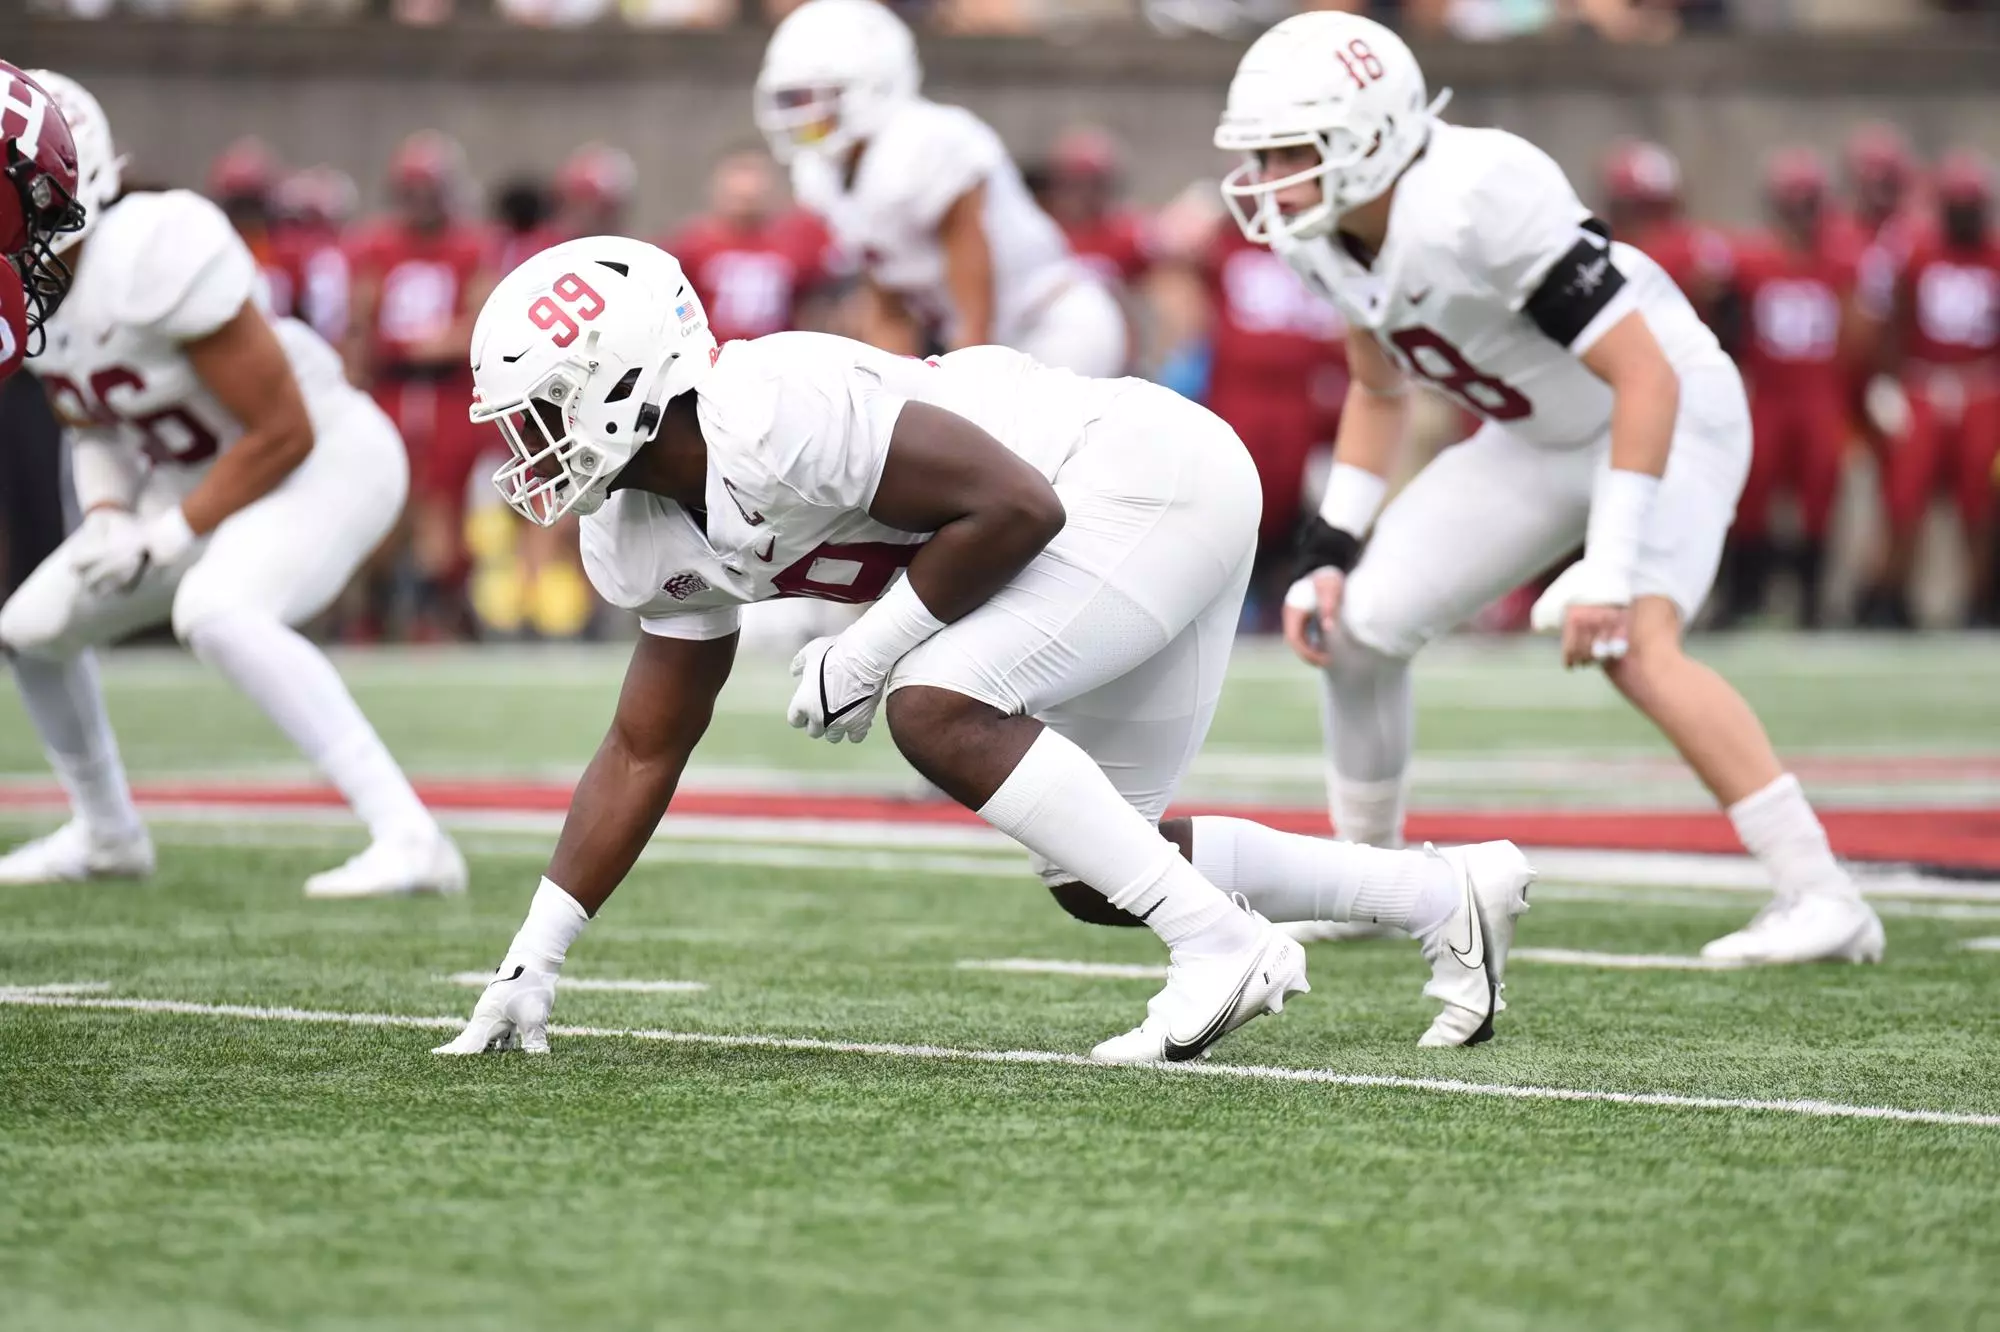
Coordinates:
(564,313)
(1360,62)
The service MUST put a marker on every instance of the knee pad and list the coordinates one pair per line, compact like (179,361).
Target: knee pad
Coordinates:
(33,621)
(1372,622)
(1088,905)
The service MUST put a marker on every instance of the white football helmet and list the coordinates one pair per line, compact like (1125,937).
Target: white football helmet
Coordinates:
(1341,84)
(573,356)
(833,74)
(99,168)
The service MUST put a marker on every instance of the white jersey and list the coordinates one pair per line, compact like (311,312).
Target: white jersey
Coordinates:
(1489,287)
(797,427)
(159,271)
(910,174)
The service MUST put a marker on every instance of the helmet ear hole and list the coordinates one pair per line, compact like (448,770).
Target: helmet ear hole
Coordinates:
(623,388)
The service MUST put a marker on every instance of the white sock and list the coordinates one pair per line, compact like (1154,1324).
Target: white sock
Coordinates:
(67,708)
(1288,877)
(297,688)
(1059,804)
(1368,723)
(1779,828)
(1367,812)
(554,920)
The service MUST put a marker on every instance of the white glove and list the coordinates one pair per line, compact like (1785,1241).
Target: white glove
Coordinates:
(1582,584)
(512,1014)
(836,697)
(114,549)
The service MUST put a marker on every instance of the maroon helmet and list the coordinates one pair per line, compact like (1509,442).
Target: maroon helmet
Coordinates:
(39,202)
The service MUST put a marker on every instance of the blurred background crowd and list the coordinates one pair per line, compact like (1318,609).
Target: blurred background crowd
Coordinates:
(1858,286)
(1481,20)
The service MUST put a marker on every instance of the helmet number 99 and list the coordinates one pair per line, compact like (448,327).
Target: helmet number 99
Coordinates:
(1360,62)
(565,324)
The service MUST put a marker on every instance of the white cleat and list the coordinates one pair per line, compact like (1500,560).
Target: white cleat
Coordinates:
(1337,931)
(1819,927)
(74,854)
(1468,953)
(428,862)
(1206,998)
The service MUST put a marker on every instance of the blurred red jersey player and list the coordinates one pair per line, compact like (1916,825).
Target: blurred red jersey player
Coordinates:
(311,209)
(420,275)
(1278,375)
(1945,334)
(752,261)
(1644,207)
(1084,179)
(1794,282)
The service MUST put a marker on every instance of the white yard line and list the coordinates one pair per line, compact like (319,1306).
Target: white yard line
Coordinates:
(1990,944)
(1052,967)
(478,980)
(1317,1076)
(1576,957)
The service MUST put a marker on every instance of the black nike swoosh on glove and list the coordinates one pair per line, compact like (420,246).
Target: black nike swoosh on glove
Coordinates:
(519,971)
(828,712)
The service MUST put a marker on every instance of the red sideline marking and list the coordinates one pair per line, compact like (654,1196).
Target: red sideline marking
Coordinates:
(1935,836)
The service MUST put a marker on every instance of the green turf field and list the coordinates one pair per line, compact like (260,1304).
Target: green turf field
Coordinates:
(241,1127)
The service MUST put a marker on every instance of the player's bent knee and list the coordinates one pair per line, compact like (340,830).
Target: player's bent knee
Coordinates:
(34,621)
(1089,906)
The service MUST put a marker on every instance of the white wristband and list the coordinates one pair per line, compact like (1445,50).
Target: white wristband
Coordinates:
(1620,504)
(554,920)
(894,625)
(168,536)
(1353,497)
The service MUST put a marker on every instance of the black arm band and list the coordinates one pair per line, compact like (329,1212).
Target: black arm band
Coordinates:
(1575,291)
(1324,546)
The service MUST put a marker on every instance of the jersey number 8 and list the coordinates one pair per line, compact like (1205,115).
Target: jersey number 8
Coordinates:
(1428,353)
(563,325)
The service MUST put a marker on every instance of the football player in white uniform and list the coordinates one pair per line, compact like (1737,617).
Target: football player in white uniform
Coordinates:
(1464,261)
(924,196)
(1076,552)
(231,482)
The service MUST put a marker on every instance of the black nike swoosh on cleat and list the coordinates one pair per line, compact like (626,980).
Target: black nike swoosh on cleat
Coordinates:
(1180,1051)
(827,711)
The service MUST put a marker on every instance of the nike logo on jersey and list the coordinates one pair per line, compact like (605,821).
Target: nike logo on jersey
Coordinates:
(770,549)
(755,519)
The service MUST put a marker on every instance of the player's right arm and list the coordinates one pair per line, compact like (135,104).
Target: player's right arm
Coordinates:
(1372,423)
(663,710)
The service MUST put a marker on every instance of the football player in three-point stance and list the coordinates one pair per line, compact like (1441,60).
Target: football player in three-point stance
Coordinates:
(1056,565)
(924,197)
(231,482)
(1463,259)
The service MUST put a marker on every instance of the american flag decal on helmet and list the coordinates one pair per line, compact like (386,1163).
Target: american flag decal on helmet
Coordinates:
(687,583)
(688,312)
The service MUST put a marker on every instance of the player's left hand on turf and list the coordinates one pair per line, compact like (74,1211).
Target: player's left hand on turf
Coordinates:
(834,700)
(512,1014)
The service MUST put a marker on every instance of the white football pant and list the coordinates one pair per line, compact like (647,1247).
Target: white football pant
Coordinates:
(1483,518)
(1117,636)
